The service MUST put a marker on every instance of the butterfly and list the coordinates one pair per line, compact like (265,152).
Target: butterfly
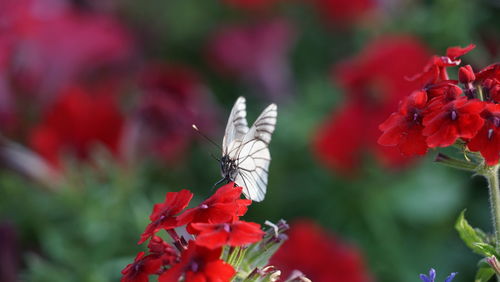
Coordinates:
(245,154)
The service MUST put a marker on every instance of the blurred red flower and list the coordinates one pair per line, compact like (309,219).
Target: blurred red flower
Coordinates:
(199,264)
(47,45)
(374,82)
(345,12)
(319,255)
(256,54)
(51,44)
(251,5)
(172,99)
(79,119)
(237,233)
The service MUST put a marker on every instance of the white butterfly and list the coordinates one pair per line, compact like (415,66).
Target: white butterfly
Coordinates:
(245,156)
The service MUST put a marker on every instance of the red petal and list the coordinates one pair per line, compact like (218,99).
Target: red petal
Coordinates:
(457,51)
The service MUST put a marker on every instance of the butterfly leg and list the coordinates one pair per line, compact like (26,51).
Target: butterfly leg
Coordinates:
(220,182)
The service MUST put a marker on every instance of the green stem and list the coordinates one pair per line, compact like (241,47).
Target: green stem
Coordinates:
(491,174)
(455,163)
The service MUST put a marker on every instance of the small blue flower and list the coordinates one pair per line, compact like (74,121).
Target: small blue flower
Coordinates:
(432,276)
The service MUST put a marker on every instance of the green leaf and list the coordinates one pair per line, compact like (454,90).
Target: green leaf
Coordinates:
(471,238)
(484,274)
(486,249)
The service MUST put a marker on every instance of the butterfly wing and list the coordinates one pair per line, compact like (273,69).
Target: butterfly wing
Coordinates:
(236,127)
(253,157)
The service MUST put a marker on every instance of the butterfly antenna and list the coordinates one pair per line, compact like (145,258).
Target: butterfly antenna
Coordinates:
(206,137)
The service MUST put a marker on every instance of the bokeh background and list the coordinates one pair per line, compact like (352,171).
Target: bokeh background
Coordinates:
(97,98)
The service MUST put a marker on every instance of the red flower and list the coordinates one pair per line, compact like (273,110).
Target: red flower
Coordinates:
(238,233)
(223,206)
(459,118)
(374,83)
(199,264)
(456,52)
(163,215)
(141,268)
(442,93)
(435,70)
(491,71)
(162,250)
(466,74)
(168,93)
(404,127)
(256,54)
(487,140)
(489,78)
(75,123)
(320,256)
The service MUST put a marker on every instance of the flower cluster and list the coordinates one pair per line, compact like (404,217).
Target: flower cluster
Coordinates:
(445,112)
(209,241)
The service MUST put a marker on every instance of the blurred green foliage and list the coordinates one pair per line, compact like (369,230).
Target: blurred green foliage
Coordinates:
(402,221)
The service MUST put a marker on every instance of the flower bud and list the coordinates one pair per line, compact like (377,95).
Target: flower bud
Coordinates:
(493,262)
(466,74)
(495,93)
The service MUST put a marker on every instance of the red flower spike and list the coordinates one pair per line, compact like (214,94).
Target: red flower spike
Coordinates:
(199,264)
(466,74)
(403,128)
(162,250)
(141,268)
(487,140)
(455,52)
(235,234)
(224,206)
(459,118)
(163,215)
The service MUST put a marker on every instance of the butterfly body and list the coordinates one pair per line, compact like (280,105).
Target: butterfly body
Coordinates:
(245,154)
(228,168)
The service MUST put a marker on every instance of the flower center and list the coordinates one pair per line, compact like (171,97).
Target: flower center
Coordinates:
(195,266)
(453,115)
(226,227)
(490,133)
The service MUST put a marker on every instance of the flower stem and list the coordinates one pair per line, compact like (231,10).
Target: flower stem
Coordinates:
(491,174)
(455,163)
